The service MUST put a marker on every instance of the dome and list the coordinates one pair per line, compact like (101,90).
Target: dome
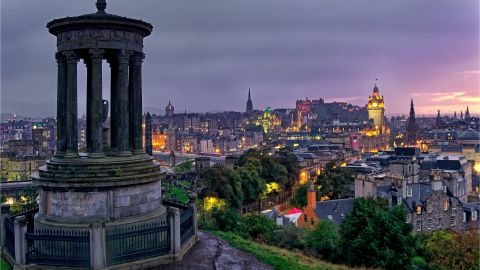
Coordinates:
(469,134)
(169,107)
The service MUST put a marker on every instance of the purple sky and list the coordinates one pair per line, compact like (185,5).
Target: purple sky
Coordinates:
(204,55)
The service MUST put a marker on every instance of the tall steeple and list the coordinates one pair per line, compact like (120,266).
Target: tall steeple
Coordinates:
(249,102)
(438,121)
(467,114)
(455,115)
(411,130)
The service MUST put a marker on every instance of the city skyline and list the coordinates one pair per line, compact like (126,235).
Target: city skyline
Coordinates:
(323,50)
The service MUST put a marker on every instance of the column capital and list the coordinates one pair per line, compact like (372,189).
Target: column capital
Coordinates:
(137,58)
(123,56)
(71,56)
(96,54)
(60,58)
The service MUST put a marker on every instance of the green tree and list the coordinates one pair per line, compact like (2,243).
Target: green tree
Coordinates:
(225,220)
(252,184)
(335,181)
(451,250)
(223,183)
(323,240)
(286,157)
(186,166)
(258,226)
(300,198)
(374,235)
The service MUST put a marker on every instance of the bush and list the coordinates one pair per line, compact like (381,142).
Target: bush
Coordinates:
(225,220)
(323,240)
(289,237)
(259,226)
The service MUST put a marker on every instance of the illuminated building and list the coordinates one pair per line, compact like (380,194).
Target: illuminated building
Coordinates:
(375,137)
(159,140)
(268,121)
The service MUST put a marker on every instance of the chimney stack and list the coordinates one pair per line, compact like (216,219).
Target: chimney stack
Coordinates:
(311,196)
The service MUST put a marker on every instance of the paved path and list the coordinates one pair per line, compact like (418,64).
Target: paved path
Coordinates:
(212,253)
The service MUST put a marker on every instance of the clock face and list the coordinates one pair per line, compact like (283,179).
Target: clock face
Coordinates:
(375,105)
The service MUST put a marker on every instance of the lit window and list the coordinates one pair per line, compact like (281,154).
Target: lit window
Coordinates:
(429,224)
(419,210)
(445,205)
(419,225)
(452,221)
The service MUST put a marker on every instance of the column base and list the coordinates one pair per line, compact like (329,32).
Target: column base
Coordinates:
(123,153)
(59,154)
(71,155)
(138,152)
(96,155)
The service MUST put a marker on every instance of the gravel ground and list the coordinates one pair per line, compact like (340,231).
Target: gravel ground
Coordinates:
(212,253)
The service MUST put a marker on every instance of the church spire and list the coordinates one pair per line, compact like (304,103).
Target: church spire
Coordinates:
(249,102)
(467,114)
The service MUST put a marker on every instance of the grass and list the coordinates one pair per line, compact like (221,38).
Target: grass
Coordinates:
(4,265)
(280,259)
(178,194)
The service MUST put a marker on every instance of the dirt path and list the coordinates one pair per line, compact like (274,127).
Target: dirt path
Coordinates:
(212,253)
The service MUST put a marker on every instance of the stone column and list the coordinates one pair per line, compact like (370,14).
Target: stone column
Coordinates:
(113,104)
(136,102)
(20,229)
(4,214)
(95,104)
(61,104)
(177,240)
(123,123)
(97,246)
(71,127)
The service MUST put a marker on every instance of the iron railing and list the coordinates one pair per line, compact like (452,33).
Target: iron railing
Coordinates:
(135,242)
(59,248)
(10,236)
(186,224)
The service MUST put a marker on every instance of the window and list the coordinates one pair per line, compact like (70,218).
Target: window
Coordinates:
(452,221)
(429,207)
(305,218)
(311,221)
(444,188)
(445,205)
(464,217)
(429,224)
(419,225)
(474,215)
(439,222)
(419,210)
(408,219)
(409,192)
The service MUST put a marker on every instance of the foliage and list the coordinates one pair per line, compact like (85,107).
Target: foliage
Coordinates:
(259,226)
(223,183)
(252,185)
(175,193)
(225,220)
(286,158)
(184,167)
(323,240)
(4,264)
(450,250)
(290,237)
(300,198)
(373,235)
(335,181)
(280,259)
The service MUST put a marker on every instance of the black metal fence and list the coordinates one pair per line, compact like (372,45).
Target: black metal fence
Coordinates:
(130,243)
(10,236)
(59,248)
(186,224)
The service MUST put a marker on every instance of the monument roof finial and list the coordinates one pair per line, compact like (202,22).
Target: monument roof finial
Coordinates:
(101,5)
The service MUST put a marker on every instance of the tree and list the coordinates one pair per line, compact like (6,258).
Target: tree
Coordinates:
(323,240)
(450,250)
(222,183)
(374,235)
(300,198)
(252,184)
(286,157)
(258,226)
(186,166)
(335,182)
(225,220)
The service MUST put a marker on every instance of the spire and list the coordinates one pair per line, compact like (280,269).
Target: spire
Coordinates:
(412,110)
(249,94)
(467,113)
(455,115)
(249,102)
(101,6)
